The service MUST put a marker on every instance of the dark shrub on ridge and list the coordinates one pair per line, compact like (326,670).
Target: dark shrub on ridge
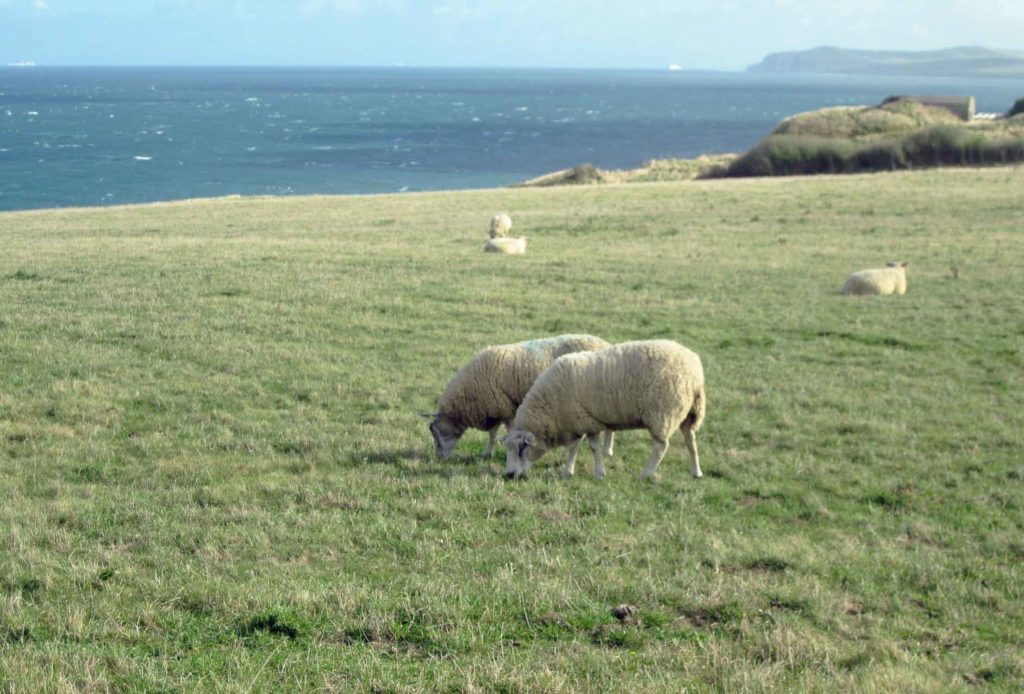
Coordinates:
(940,145)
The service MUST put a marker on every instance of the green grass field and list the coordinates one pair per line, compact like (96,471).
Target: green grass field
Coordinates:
(214,475)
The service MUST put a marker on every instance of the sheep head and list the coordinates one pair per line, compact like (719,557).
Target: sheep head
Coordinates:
(500,225)
(446,432)
(521,450)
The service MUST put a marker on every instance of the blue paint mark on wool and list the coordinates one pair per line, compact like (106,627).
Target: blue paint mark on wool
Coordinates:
(546,345)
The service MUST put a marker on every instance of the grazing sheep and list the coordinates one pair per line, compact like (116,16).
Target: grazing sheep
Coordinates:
(891,279)
(486,391)
(656,385)
(506,244)
(501,224)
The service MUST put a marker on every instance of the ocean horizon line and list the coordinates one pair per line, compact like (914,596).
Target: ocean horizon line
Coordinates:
(670,68)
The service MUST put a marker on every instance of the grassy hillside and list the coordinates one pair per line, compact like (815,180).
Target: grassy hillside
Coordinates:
(215,476)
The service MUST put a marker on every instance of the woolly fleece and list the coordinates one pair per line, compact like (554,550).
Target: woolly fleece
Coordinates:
(501,224)
(656,385)
(487,391)
(506,244)
(891,279)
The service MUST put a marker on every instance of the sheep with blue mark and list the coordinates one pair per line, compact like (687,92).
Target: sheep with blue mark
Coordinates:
(486,391)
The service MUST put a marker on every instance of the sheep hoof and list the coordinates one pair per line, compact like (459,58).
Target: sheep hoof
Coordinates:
(599,475)
(698,475)
(566,474)
(512,476)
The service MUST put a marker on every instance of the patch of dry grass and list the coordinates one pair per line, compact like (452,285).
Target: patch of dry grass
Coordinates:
(654,170)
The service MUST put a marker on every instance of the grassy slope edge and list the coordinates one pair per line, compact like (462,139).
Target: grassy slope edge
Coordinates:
(654,170)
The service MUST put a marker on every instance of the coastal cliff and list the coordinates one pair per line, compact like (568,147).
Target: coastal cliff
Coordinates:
(967,61)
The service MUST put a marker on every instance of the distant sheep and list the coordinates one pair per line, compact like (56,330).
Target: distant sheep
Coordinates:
(506,244)
(892,279)
(656,385)
(486,391)
(501,224)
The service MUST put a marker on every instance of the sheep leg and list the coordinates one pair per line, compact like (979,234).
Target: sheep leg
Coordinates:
(658,449)
(492,438)
(570,464)
(595,445)
(691,445)
(609,443)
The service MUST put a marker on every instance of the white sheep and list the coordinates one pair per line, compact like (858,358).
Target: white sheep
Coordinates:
(891,279)
(656,385)
(486,391)
(506,244)
(501,224)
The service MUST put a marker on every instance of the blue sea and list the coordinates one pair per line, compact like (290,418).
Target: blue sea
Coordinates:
(106,136)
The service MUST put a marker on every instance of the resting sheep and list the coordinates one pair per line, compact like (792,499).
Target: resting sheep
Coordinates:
(656,385)
(892,279)
(501,224)
(506,244)
(486,391)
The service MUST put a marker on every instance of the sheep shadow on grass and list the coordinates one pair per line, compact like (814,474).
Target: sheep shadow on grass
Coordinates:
(419,462)
(386,456)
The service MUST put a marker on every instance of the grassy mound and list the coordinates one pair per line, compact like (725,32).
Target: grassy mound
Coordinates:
(859,122)
(214,475)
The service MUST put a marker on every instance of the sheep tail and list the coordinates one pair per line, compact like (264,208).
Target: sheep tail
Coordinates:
(696,415)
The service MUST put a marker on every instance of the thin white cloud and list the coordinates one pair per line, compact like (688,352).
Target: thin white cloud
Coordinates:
(455,10)
(992,11)
(349,6)
(312,8)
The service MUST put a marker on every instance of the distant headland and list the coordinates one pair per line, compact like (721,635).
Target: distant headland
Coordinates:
(966,61)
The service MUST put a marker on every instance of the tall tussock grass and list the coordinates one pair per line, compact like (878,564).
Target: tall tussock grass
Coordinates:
(940,145)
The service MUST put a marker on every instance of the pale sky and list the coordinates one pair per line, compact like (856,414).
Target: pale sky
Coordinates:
(703,34)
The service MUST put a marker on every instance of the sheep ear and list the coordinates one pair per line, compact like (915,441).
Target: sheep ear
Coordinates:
(509,436)
(529,439)
(903,264)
